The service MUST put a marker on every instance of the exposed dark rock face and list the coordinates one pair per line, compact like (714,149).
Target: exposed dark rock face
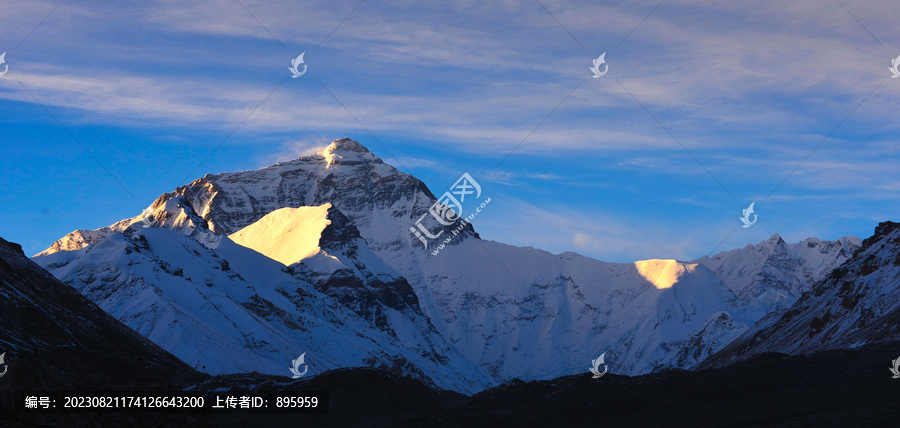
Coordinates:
(358,287)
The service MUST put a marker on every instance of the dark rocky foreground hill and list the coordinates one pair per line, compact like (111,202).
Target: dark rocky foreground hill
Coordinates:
(54,339)
(832,388)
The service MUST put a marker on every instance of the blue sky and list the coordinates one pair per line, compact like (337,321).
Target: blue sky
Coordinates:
(706,107)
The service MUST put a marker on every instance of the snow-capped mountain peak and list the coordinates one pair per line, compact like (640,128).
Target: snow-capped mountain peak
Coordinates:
(346,150)
(327,238)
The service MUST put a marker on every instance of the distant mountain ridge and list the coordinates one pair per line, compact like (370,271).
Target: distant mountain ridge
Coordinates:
(478,314)
(776,273)
(856,304)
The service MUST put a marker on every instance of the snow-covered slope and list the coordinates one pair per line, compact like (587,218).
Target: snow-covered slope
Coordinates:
(774,273)
(342,266)
(858,303)
(233,310)
(522,312)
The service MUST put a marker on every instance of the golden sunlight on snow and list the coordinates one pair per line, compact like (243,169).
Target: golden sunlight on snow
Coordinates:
(663,273)
(287,235)
(328,154)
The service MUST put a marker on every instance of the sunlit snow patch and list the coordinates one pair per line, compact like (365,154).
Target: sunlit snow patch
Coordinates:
(287,235)
(663,273)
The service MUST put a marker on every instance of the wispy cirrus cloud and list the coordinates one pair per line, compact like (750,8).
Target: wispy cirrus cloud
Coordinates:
(693,84)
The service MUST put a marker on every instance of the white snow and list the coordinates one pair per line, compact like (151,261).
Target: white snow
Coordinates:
(249,317)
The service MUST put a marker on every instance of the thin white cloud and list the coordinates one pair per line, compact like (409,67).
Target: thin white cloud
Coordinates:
(294,149)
